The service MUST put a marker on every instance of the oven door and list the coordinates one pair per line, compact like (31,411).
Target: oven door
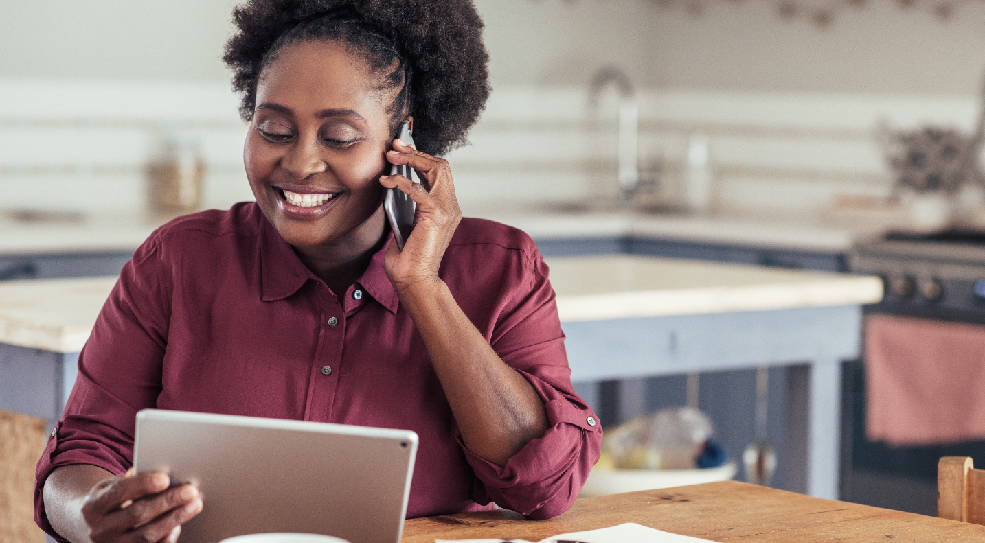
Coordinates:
(938,283)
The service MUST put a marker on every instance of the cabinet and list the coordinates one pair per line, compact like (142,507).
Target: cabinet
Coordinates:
(728,397)
(62,265)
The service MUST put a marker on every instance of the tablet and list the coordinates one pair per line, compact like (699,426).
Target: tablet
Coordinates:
(261,475)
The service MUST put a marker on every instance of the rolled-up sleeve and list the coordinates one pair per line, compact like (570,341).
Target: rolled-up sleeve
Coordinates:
(543,479)
(119,374)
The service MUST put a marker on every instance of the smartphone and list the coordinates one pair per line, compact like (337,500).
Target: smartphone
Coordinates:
(399,208)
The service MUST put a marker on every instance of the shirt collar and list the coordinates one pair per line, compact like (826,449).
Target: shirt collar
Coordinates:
(283,273)
(375,281)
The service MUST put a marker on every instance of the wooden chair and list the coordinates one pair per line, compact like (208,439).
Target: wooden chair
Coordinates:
(960,490)
(22,439)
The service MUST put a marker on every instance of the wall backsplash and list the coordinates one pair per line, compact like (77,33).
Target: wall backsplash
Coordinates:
(84,146)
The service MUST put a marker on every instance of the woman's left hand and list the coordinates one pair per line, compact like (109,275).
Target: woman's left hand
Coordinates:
(435,220)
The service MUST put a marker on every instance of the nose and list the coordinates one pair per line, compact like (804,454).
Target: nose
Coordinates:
(304,159)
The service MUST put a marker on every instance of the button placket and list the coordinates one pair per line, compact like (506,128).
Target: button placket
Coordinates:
(326,362)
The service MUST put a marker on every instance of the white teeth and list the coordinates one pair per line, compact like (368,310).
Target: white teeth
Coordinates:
(306,200)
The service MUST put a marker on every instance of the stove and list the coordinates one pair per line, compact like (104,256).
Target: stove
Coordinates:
(937,275)
(940,276)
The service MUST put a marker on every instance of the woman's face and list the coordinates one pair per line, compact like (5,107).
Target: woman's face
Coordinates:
(316,147)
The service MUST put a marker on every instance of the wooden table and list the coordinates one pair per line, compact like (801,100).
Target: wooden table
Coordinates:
(725,511)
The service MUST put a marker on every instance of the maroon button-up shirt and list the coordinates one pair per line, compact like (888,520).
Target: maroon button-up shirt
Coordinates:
(216,313)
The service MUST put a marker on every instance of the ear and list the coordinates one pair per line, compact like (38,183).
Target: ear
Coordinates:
(410,123)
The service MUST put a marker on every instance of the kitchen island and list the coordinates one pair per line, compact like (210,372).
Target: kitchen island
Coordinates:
(624,316)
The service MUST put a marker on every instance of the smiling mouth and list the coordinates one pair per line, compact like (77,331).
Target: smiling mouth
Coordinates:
(305,200)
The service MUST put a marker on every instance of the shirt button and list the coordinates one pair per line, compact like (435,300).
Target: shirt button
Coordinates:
(591,421)
(358,294)
(326,370)
(333,322)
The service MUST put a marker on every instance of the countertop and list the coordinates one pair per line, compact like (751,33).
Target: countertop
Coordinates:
(77,233)
(611,287)
(57,315)
(51,314)
(25,233)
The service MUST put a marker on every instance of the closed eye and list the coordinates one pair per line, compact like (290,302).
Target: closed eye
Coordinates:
(275,131)
(277,137)
(341,144)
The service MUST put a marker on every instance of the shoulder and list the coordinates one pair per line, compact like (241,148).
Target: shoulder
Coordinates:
(204,233)
(487,235)
(483,249)
(242,219)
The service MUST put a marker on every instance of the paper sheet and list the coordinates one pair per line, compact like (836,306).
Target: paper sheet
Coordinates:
(623,533)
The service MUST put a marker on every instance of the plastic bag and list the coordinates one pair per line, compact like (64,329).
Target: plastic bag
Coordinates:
(678,438)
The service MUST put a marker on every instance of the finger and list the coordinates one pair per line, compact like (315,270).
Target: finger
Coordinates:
(150,509)
(401,143)
(166,527)
(115,492)
(425,164)
(416,191)
(146,510)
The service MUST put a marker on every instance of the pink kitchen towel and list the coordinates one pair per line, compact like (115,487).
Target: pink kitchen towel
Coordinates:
(925,380)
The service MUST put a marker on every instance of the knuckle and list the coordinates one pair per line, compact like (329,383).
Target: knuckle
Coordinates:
(139,512)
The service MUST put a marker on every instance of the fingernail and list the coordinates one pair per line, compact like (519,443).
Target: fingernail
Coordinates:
(193,506)
(175,532)
(401,142)
(188,492)
(160,479)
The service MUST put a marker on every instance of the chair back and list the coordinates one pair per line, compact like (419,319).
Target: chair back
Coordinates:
(22,439)
(960,490)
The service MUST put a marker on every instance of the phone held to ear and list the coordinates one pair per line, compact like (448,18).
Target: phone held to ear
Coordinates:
(398,206)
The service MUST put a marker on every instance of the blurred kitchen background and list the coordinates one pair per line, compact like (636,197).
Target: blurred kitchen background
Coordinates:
(762,133)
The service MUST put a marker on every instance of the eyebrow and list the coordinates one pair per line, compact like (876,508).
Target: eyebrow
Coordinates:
(323,114)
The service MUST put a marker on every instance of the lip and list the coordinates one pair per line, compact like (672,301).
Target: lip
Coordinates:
(292,211)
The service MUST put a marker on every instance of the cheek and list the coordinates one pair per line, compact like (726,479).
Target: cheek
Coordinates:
(368,167)
(256,159)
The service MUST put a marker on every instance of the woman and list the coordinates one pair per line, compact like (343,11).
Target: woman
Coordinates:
(299,306)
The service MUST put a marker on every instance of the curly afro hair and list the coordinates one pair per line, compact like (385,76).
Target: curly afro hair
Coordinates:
(431,49)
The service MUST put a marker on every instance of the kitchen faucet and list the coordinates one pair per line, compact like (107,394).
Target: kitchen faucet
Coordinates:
(628,170)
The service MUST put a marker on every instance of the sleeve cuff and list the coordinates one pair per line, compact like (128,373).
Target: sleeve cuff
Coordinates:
(547,473)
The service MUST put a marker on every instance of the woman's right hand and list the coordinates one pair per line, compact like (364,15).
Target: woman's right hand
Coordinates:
(139,508)
(85,503)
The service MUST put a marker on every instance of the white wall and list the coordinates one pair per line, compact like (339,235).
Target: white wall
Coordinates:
(85,88)
(171,40)
(733,45)
(738,45)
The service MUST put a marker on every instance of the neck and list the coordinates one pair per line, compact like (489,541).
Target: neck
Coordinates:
(340,263)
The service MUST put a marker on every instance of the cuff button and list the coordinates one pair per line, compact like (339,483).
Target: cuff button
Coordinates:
(591,421)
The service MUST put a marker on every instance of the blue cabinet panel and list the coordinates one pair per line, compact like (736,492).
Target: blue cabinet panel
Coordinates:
(62,265)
